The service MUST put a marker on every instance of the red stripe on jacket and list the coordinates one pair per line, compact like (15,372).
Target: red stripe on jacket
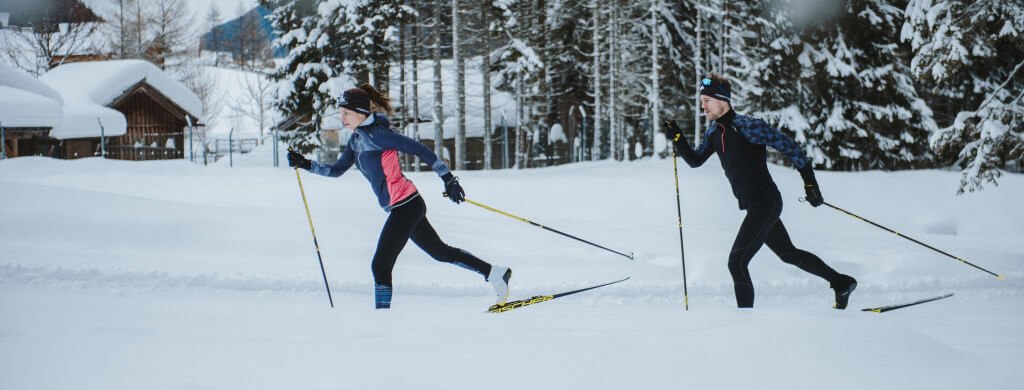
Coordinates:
(399,188)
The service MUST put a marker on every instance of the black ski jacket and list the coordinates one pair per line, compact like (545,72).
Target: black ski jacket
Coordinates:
(740,143)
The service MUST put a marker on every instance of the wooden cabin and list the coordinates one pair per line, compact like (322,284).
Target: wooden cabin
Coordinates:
(153,110)
(157,128)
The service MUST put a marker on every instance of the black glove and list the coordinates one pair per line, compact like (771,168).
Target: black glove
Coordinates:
(452,189)
(674,134)
(296,160)
(811,187)
(672,130)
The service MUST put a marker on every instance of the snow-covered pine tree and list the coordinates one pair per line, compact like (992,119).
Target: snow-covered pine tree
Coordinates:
(566,74)
(862,103)
(370,37)
(633,66)
(491,28)
(679,62)
(672,96)
(516,62)
(836,82)
(302,72)
(969,55)
(772,85)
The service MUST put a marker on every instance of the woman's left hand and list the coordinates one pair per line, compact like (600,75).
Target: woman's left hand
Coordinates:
(452,189)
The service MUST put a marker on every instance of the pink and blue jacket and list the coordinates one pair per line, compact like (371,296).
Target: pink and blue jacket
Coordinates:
(374,148)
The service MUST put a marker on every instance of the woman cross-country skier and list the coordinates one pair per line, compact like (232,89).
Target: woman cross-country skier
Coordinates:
(373,148)
(740,144)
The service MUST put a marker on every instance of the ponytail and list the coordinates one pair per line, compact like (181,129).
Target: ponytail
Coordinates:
(378,100)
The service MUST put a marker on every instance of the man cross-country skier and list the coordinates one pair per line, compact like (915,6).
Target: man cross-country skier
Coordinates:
(740,144)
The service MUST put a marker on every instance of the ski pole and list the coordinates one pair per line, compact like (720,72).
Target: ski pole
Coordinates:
(481,205)
(315,244)
(679,214)
(1000,277)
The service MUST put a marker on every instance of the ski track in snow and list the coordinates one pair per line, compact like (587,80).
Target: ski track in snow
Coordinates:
(628,292)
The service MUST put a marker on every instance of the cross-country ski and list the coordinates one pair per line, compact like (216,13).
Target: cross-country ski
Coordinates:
(503,307)
(883,309)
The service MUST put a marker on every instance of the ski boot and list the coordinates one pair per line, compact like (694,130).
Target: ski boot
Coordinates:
(843,287)
(498,278)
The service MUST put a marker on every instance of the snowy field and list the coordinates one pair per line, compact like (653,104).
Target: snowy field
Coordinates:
(167,275)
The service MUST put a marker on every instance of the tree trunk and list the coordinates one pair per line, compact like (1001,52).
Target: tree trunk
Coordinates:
(614,131)
(655,74)
(597,139)
(460,91)
(415,87)
(438,94)
(697,72)
(403,95)
(485,70)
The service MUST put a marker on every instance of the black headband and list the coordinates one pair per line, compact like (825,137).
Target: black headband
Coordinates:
(714,88)
(357,100)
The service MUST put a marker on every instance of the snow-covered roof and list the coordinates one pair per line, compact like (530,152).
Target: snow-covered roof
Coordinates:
(27,102)
(83,119)
(102,82)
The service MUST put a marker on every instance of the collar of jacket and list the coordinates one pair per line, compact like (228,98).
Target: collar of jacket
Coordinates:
(727,118)
(374,121)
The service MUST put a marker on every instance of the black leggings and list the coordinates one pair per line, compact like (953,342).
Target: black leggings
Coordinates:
(409,221)
(763,226)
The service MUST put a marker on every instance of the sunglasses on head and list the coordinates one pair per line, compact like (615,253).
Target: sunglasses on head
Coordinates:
(705,82)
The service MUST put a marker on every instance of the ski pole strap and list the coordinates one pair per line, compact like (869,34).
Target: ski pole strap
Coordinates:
(521,219)
(998,276)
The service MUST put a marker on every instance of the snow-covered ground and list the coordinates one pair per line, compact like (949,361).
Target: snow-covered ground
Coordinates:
(168,275)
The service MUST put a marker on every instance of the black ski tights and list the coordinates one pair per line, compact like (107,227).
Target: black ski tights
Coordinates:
(763,226)
(409,221)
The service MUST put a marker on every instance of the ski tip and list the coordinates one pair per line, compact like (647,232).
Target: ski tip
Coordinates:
(872,310)
(1000,277)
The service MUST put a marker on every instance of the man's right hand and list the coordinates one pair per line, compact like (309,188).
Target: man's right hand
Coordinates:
(672,130)
(296,160)
(675,136)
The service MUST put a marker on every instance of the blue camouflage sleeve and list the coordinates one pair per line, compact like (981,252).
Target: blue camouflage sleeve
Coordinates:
(759,132)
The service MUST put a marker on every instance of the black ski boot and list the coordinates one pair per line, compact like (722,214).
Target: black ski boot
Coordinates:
(843,286)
